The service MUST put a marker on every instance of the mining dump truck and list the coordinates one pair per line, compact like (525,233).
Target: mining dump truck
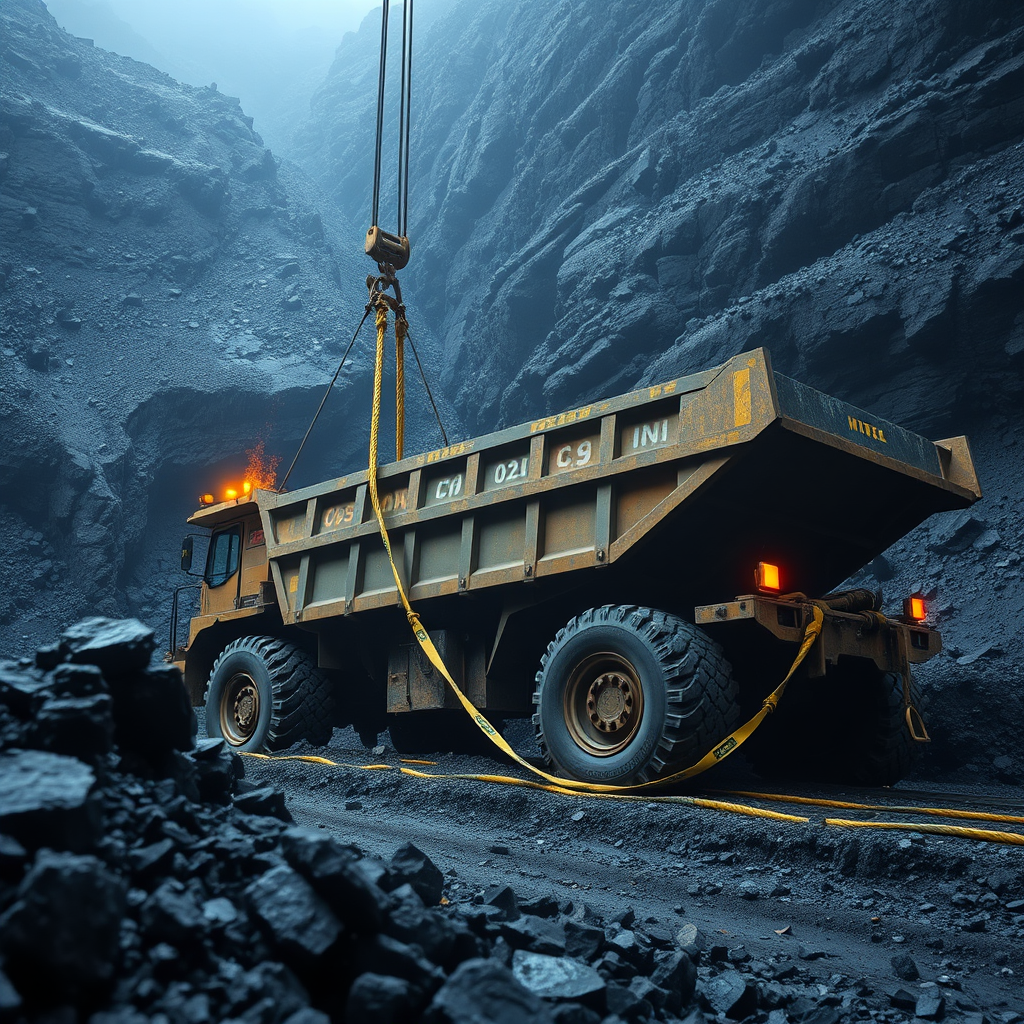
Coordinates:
(634,574)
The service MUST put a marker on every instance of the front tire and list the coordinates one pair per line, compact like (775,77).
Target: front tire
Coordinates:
(266,694)
(624,693)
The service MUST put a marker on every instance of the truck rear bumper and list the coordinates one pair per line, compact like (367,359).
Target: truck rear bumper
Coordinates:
(892,644)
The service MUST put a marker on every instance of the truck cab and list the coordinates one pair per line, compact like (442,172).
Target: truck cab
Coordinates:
(235,585)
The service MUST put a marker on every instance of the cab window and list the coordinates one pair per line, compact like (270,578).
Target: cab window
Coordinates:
(222,560)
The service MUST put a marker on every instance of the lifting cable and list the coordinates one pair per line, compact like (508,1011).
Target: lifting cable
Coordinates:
(404,121)
(392,253)
(389,251)
(323,401)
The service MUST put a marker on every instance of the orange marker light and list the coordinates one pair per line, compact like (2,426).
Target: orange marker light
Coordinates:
(246,487)
(914,609)
(230,494)
(767,577)
(205,499)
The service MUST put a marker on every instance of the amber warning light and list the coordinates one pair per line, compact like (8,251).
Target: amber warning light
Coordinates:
(230,494)
(767,577)
(914,609)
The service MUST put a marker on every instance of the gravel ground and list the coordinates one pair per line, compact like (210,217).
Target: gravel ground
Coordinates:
(835,902)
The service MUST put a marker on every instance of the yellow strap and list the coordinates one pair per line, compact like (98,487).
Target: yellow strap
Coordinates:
(981,834)
(401,328)
(978,834)
(722,750)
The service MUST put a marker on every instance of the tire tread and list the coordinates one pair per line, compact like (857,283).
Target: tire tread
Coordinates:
(701,692)
(302,703)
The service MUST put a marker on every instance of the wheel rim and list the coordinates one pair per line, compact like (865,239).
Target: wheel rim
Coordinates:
(239,709)
(603,704)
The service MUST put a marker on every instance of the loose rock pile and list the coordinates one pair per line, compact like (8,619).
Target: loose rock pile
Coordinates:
(143,878)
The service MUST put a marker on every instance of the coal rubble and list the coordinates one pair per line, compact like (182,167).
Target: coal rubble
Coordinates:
(144,878)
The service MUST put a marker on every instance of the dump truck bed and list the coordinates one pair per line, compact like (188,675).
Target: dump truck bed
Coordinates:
(684,486)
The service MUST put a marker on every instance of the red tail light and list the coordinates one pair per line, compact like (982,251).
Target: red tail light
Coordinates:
(914,609)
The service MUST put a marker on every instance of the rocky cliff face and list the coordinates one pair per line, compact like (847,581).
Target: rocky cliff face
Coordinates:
(617,197)
(601,199)
(169,298)
(604,199)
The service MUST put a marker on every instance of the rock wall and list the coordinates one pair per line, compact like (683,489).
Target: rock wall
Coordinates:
(600,199)
(605,199)
(839,182)
(170,295)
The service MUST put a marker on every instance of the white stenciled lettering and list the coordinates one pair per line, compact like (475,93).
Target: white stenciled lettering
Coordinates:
(572,456)
(451,487)
(650,434)
(512,469)
(338,515)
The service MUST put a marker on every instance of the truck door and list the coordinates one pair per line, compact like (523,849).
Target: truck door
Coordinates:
(223,560)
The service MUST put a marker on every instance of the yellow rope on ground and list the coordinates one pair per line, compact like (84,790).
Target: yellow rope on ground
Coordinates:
(692,801)
(313,759)
(938,812)
(954,831)
(979,834)
(508,780)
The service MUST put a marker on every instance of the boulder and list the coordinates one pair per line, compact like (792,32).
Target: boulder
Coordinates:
(299,923)
(482,990)
(62,932)
(47,800)
(116,646)
(555,977)
(412,865)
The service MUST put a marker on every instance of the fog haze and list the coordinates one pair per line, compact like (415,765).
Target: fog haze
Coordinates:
(272,54)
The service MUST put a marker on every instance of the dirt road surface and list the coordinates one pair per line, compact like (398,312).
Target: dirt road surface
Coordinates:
(857,912)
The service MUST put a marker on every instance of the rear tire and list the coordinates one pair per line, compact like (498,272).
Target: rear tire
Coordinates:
(266,694)
(626,693)
(849,727)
